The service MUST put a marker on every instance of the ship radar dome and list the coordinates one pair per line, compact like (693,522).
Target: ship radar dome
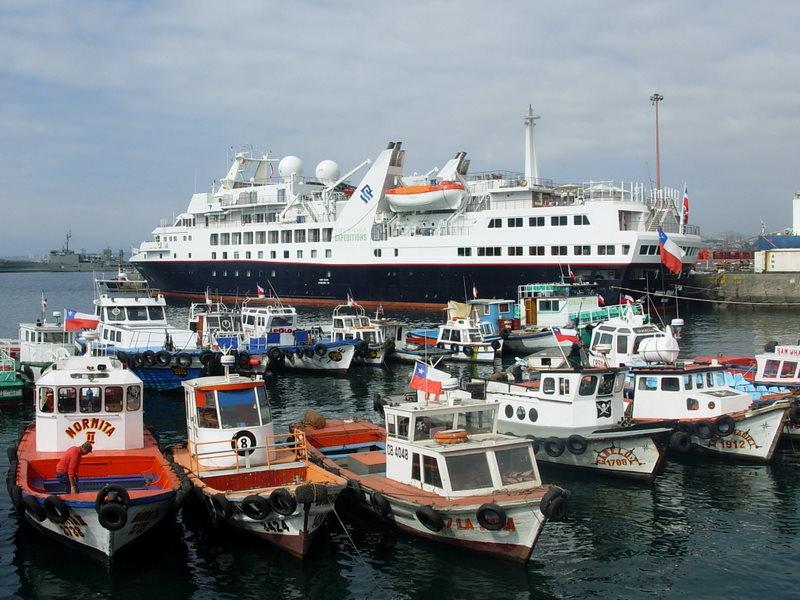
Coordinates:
(290,165)
(327,171)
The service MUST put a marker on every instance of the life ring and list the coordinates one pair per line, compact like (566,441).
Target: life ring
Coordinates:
(183,360)
(320,350)
(523,183)
(206,357)
(274,353)
(113,516)
(135,361)
(221,505)
(450,436)
(431,519)
(491,516)
(163,358)
(553,503)
(724,426)
(34,508)
(577,444)
(149,358)
(680,441)
(283,502)
(703,430)
(372,353)
(256,507)
(56,509)
(495,345)
(553,447)
(380,504)
(104,496)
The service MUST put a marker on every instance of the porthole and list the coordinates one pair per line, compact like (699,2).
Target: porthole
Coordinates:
(533,415)
(711,405)
(521,413)
(509,411)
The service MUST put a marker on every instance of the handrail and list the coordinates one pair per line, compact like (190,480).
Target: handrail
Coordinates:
(295,446)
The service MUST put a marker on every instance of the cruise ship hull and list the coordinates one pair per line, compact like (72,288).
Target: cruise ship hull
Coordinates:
(392,285)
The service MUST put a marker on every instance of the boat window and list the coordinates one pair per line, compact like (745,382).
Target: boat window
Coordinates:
(115,314)
(137,313)
(477,421)
(709,379)
(515,465)
(156,313)
(237,408)
(603,338)
(263,405)
(549,385)
(113,398)
(475,336)
(46,396)
(402,428)
(521,413)
(670,384)
(90,399)
(280,322)
(606,386)
(415,467)
(67,400)
(533,415)
(54,337)
(248,320)
(563,387)
(620,382)
(206,404)
(588,385)
(771,368)
(648,384)
(692,404)
(788,369)
(430,471)
(509,411)
(698,381)
(622,344)
(469,472)
(687,382)
(445,335)
(338,323)
(391,427)
(426,427)
(134,398)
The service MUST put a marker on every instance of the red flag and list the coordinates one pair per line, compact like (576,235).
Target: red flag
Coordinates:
(685,204)
(427,379)
(565,335)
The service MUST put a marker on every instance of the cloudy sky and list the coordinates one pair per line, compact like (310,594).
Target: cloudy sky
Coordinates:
(113,113)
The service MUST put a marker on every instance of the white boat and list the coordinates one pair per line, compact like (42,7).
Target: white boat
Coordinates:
(42,343)
(125,486)
(352,325)
(467,338)
(248,478)
(315,237)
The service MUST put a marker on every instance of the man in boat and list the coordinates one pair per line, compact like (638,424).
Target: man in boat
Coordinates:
(67,467)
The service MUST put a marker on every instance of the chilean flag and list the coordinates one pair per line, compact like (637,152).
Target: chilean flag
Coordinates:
(427,379)
(565,335)
(626,299)
(259,289)
(74,320)
(685,207)
(671,253)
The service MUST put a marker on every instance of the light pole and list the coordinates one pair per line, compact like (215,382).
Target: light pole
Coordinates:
(654,100)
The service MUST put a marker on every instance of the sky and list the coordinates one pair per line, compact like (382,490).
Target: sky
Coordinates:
(113,113)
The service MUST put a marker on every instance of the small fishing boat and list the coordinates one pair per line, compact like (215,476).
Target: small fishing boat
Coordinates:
(245,476)
(463,334)
(412,352)
(11,385)
(125,485)
(441,471)
(434,195)
(351,324)
(41,343)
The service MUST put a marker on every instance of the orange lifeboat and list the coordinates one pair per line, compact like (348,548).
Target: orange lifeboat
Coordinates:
(450,436)
(445,195)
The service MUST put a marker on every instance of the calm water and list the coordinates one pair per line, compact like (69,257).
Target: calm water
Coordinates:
(703,529)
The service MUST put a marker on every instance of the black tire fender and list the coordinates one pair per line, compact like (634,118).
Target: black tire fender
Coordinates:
(35,509)
(680,441)
(283,502)
(304,494)
(430,518)
(703,430)
(505,333)
(16,499)
(491,516)
(243,360)
(56,509)
(148,358)
(256,507)
(495,345)
(577,444)
(380,504)
(163,358)
(319,350)
(122,357)
(183,360)
(222,506)
(553,447)
(135,361)
(206,357)
(686,427)
(274,353)
(104,496)
(113,516)
(553,503)
(724,426)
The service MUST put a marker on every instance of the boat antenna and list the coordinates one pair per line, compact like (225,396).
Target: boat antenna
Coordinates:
(277,298)
(464,281)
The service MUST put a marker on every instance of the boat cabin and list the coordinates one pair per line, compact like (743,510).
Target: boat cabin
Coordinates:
(229,423)
(350,322)
(211,320)
(630,340)
(495,315)
(463,326)
(684,392)
(779,367)
(452,448)
(88,399)
(41,343)
(271,325)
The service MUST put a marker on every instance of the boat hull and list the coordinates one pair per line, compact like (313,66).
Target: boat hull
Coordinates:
(527,342)
(163,379)
(754,439)
(336,359)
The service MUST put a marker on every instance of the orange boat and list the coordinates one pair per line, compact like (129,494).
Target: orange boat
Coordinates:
(125,485)
(444,195)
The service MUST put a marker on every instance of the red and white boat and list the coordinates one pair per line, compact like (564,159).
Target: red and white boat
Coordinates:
(245,476)
(443,195)
(125,485)
(442,472)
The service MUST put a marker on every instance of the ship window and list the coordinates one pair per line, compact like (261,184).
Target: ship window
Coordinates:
(137,313)
(515,465)
(327,234)
(588,385)
(687,382)
(313,235)
(620,383)
(299,254)
(461,252)
(115,314)
(67,400)
(272,237)
(698,381)
(46,396)
(495,223)
(236,238)
(391,427)
(248,237)
(313,254)
(558,250)
(260,254)
(622,344)
(285,254)
(224,256)
(580,220)
(90,399)
(521,413)
(415,466)
(787,369)
(606,384)
(536,221)
(430,471)
(536,250)
(272,254)
(206,410)
(214,239)
(225,239)
(248,255)
(469,472)
(134,398)
(261,237)
(402,430)
(558,221)
(426,427)
(605,250)
(515,222)
(286,237)
(515,250)
(328,254)
(549,385)
(236,273)
(648,384)
(509,411)
(477,421)
(626,248)
(113,398)
(300,236)
(670,384)
(238,408)
(533,415)
(692,404)
(156,313)
(582,250)
(376,252)
(563,386)
(720,378)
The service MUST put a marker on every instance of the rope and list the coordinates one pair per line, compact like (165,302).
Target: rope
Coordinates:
(361,558)
(709,300)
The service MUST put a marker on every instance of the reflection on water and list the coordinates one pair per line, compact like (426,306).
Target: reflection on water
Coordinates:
(704,528)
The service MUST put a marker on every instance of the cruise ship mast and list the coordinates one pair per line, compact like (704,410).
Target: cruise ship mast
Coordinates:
(531,167)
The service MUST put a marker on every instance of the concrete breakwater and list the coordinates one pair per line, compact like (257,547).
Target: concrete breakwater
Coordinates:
(772,288)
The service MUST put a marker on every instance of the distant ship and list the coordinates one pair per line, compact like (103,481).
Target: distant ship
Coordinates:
(67,260)
(410,240)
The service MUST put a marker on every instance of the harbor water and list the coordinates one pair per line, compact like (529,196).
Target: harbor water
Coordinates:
(705,528)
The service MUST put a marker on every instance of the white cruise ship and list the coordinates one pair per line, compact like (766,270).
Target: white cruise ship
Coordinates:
(411,240)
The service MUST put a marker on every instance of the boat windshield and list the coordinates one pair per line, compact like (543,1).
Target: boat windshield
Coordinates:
(477,421)
(515,465)
(475,335)
(427,426)
(469,471)
(238,408)
(263,405)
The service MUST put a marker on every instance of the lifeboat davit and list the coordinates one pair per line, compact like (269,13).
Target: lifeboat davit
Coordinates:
(445,195)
